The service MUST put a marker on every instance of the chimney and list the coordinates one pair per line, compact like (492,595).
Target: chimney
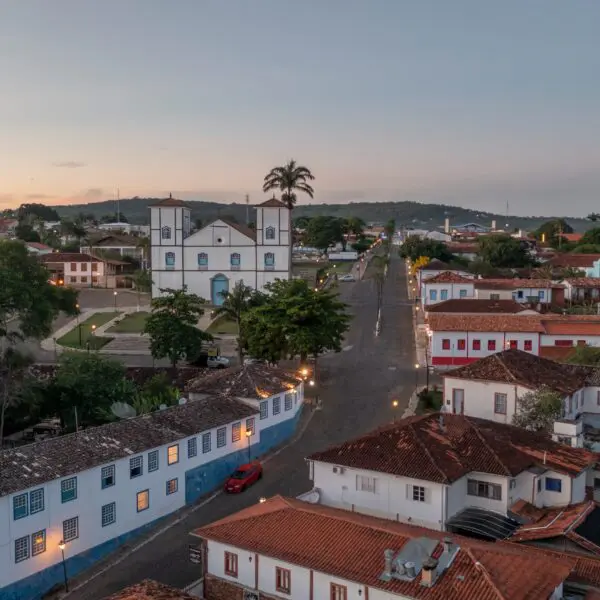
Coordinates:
(429,573)
(447,225)
(494,225)
(410,570)
(388,555)
(447,545)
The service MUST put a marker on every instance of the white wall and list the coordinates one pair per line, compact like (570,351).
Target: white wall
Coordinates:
(513,293)
(590,340)
(452,291)
(459,499)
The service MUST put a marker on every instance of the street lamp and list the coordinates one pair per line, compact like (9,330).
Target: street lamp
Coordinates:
(395,405)
(61,545)
(115,298)
(416,377)
(248,436)
(93,333)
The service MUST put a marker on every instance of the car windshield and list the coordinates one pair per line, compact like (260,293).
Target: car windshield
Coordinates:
(239,475)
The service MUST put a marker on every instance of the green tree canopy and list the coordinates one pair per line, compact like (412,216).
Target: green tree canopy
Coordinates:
(45,213)
(323,232)
(355,225)
(551,230)
(289,179)
(415,246)
(172,326)
(591,236)
(538,410)
(503,251)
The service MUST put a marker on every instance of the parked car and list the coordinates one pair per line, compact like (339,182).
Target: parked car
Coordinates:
(243,477)
(217,362)
(347,278)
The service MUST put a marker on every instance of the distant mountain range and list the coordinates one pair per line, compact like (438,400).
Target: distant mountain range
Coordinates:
(406,214)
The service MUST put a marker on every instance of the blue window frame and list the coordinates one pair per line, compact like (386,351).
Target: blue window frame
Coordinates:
(153,461)
(206,442)
(221,437)
(109,514)
(264,409)
(108,476)
(269,259)
(276,406)
(202,259)
(235,259)
(553,484)
(172,486)
(288,401)
(68,489)
(170,259)
(270,233)
(136,466)
(433,294)
(444,295)
(36,501)
(21,549)
(20,506)
(462,293)
(542,295)
(38,542)
(192,447)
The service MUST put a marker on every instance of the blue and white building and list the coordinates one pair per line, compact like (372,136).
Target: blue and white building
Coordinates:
(95,489)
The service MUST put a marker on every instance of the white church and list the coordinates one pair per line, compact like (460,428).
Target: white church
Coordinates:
(213,259)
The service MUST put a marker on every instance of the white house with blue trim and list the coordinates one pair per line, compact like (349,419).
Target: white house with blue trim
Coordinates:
(212,260)
(97,488)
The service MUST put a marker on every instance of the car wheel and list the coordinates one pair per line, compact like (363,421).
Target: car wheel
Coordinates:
(260,475)
(243,489)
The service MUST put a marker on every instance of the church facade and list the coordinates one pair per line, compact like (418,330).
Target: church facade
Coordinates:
(212,260)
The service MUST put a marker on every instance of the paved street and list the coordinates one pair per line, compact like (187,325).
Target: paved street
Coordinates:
(358,386)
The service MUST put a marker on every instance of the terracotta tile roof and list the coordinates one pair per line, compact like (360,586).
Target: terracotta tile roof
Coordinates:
(150,590)
(577,261)
(503,323)
(511,284)
(476,305)
(272,203)
(462,247)
(421,447)
(64,257)
(447,277)
(572,326)
(351,546)
(243,229)
(255,381)
(38,246)
(572,237)
(170,201)
(525,369)
(584,282)
(52,458)
(557,353)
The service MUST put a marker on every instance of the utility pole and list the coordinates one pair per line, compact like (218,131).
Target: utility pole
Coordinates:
(118,206)
(247,209)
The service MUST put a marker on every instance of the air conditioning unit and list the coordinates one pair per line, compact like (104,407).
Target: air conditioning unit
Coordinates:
(251,595)
(338,470)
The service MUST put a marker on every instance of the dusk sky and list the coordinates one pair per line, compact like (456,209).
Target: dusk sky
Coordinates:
(467,102)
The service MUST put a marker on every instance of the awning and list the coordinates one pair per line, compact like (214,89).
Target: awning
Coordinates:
(482,523)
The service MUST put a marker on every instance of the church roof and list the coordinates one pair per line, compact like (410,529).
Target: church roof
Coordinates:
(272,203)
(243,229)
(170,201)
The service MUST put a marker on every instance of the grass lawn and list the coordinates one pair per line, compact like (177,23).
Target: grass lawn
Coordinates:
(309,270)
(222,325)
(71,339)
(132,323)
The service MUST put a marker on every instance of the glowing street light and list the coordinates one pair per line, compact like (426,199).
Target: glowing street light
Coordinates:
(115,297)
(61,546)
(311,382)
(248,436)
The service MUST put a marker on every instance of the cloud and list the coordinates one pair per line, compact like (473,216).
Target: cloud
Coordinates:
(69,164)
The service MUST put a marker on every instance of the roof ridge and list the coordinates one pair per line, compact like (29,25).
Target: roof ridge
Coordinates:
(505,366)
(484,442)
(479,565)
(426,450)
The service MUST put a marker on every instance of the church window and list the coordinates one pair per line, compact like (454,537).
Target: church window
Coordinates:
(202,259)
(170,259)
(269,260)
(235,259)
(270,233)
(166,233)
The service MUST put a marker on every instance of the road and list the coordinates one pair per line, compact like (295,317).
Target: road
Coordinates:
(357,390)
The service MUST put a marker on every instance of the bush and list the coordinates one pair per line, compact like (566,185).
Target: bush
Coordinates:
(430,399)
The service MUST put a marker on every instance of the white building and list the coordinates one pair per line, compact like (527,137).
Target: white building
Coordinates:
(477,306)
(437,471)
(446,286)
(285,548)
(212,260)
(435,267)
(533,291)
(100,487)
(37,248)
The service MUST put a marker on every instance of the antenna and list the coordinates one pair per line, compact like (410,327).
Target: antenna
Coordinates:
(118,206)
(247,209)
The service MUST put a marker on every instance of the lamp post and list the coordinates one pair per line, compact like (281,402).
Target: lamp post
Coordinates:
(395,404)
(78,324)
(88,342)
(248,436)
(115,299)
(61,545)
(416,377)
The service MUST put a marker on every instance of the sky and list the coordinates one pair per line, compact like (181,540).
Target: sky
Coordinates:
(477,103)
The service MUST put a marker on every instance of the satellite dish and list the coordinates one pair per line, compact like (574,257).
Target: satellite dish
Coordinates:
(123,410)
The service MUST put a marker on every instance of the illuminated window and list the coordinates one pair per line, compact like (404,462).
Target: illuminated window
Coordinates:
(173,454)
(236,432)
(38,542)
(172,486)
(250,425)
(143,500)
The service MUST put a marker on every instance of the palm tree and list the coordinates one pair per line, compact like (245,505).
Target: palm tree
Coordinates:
(289,179)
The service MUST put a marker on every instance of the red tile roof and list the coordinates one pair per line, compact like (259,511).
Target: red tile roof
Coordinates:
(557,353)
(511,284)
(502,323)
(272,203)
(38,245)
(170,201)
(572,326)
(476,305)
(447,277)
(572,237)
(584,282)
(462,247)
(150,590)
(422,447)
(523,368)
(577,261)
(57,257)
(351,546)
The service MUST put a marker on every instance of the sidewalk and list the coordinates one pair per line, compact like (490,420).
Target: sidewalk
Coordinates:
(419,327)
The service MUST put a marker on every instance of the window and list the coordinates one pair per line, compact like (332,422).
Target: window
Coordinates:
(446,344)
(276,406)
(416,493)
(444,295)
(165,233)
(553,484)
(109,514)
(192,447)
(264,408)
(494,296)
(221,437)
(541,294)
(84,280)
(153,461)
(72,279)
(564,343)
(68,489)
(235,260)
(270,233)
(513,344)
(366,484)
(462,293)
(338,592)
(269,260)
(203,259)
(236,432)
(250,426)
(231,564)
(288,401)
(483,489)
(433,295)
(38,542)
(283,580)
(71,529)
(461,344)
(539,485)
(528,345)
(107,476)
(142,500)
(36,501)
(20,506)
(84,267)
(173,454)
(520,294)
(21,549)
(172,486)
(491,345)
(94,266)
(136,466)
(500,404)
(206,442)
(170,259)
(94,279)
(476,344)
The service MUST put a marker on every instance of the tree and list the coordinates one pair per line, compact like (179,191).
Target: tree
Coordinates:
(552,231)
(235,304)
(142,282)
(585,355)
(415,246)
(13,366)
(390,230)
(289,179)
(355,226)
(154,393)
(114,218)
(172,325)
(591,236)
(73,229)
(25,232)
(45,213)
(503,251)
(418,264)
(538,410)
(323,232)
(198,224)
(301,222)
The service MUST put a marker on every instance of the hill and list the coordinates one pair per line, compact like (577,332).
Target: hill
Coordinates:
(406,214)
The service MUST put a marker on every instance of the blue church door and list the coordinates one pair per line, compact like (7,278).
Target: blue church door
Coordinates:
(218,286)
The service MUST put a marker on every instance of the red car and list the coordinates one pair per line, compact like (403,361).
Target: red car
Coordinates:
(243,477)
